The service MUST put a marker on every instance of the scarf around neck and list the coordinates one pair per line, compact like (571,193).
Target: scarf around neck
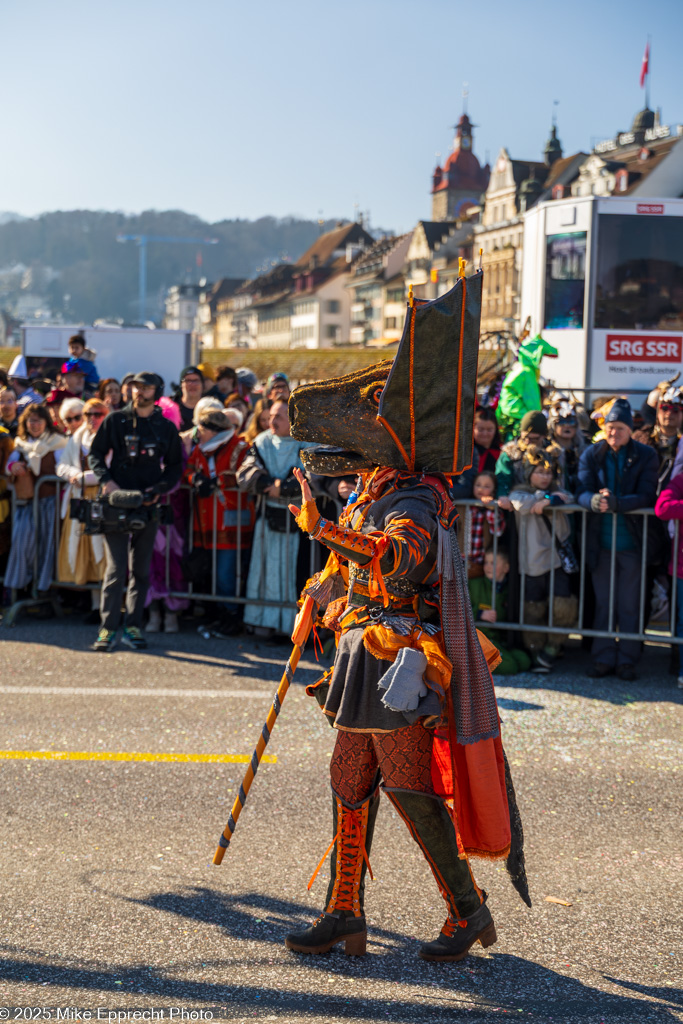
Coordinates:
(34,449)
(206,447)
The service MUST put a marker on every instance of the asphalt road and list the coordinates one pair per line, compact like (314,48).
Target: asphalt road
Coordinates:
(109,898)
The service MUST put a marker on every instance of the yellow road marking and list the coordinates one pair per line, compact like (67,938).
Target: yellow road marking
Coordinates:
(123,755)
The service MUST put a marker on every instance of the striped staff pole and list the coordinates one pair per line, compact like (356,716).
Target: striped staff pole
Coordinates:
(302,628)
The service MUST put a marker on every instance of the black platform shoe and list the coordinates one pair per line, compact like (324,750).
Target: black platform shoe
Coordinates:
(327,931)
(454,941)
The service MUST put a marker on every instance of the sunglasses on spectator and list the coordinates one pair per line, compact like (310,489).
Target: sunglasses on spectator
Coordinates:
(95,415)
(567,421)
(670,407)
(73,419)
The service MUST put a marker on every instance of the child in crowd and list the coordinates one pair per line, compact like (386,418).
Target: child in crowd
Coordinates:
(489,597)
(538,555)
(484,523)
(86,359)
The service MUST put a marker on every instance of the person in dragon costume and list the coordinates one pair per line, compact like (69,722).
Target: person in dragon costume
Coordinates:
(520,392)
(410,692)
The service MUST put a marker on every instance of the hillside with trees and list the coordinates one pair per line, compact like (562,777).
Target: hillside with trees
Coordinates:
(84,273)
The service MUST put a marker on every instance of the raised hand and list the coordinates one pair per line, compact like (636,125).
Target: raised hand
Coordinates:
(306,493)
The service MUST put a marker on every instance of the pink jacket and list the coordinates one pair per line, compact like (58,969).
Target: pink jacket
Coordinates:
(670,506)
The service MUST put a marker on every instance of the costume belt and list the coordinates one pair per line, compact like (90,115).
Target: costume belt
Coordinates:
(401,620)
(399,589)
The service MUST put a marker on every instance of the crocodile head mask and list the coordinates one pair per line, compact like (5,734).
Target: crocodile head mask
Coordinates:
(341,416)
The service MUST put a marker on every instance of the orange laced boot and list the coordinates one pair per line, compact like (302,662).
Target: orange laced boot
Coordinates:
(343,918)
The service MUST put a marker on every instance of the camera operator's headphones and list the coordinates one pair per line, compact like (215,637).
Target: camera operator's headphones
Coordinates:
(157,380)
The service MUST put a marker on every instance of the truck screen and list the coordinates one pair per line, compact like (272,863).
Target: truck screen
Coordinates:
(565,273)
(639,281)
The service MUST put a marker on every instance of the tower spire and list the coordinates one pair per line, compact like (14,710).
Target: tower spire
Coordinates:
(553,147)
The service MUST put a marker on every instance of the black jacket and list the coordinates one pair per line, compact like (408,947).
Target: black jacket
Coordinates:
(146,451)
(637,489)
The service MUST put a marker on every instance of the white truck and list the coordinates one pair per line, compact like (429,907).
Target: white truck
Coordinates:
(603,282)
(119,350)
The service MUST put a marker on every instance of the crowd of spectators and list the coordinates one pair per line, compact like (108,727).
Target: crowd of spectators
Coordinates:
(227,529)
(524,544)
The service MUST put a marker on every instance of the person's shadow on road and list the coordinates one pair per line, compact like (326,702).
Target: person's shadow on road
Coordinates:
(478,989)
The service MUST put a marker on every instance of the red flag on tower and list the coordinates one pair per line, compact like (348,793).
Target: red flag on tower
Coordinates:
(645,68)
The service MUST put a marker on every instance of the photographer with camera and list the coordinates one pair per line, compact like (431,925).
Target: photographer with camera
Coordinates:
(146,461)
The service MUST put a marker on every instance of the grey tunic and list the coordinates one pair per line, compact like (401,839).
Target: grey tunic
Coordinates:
(354,700)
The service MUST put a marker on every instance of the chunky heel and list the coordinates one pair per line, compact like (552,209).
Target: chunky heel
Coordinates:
(355,944)
(488,936)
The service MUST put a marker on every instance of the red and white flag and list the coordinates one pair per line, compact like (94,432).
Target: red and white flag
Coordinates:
(645,67)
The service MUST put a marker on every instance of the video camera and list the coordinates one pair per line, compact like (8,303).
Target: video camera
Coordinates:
(118,512)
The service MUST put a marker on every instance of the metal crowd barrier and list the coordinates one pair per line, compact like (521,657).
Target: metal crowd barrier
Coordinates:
(662,633)
(317,555)
(316,559)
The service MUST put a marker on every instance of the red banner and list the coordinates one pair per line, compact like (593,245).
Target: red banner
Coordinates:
(643,348)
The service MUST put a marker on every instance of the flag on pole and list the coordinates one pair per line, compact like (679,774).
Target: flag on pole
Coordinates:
(645,67)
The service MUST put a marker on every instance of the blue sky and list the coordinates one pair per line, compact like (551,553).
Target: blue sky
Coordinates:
(235,109)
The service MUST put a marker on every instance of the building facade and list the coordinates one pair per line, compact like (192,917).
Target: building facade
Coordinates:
(181,305)
(210,295)
(435,246)
(377,290)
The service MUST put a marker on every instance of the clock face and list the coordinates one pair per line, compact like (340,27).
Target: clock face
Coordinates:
(465,143)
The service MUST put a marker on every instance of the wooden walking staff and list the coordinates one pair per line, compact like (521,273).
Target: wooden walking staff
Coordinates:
(302,629)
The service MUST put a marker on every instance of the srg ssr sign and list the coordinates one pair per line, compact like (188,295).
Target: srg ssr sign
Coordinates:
(643,348)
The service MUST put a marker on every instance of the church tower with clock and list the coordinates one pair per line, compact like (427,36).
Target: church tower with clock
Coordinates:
(461,181)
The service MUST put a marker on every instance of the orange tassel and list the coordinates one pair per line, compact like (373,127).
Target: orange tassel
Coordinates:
(316,643)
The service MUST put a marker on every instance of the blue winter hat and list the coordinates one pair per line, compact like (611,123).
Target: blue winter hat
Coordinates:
(620,413)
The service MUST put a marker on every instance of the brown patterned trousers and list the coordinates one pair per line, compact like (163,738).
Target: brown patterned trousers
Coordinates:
(403,758)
